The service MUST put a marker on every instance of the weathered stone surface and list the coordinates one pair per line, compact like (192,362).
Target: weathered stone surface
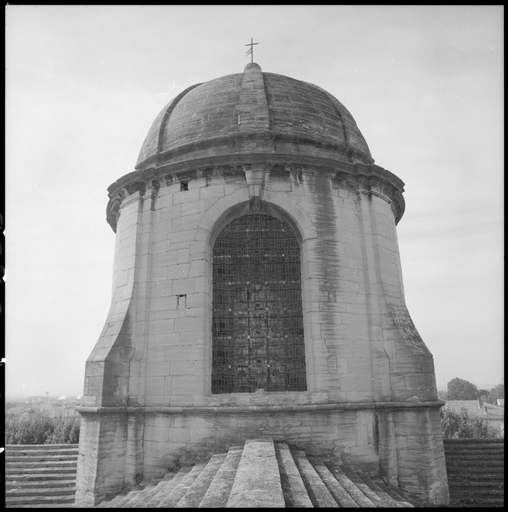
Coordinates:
(200,486)
(40,475)
(318,492)
(257,482)
(295,494)
(267,144)
(218,493)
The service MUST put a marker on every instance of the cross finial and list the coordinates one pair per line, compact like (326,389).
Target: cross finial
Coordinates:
(251,50)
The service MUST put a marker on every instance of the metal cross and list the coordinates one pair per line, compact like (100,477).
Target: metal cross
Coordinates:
(251,50)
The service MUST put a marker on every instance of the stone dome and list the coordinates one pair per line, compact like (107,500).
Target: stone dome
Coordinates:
(252,113)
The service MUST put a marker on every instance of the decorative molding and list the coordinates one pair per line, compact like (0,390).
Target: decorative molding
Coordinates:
(374,180)
(256,169)
(262,409)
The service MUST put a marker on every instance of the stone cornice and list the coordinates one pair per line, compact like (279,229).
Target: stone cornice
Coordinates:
(233,143)
(263,409)
(363,178)
(374,180)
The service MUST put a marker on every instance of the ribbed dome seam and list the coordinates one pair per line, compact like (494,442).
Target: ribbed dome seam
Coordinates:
(167,115)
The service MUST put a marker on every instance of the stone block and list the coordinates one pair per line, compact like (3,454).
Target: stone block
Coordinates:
(178,271)
(183,255)
(155,385)
(212,191)
(187,324)
(193,207)
(187,196)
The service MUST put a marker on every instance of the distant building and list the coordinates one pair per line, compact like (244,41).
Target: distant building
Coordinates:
(492,414)
(62,408)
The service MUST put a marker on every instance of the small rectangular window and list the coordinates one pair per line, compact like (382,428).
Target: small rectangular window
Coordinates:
(181,301)
(184,185)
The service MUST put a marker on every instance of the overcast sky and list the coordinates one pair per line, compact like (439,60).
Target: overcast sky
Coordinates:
(84,83)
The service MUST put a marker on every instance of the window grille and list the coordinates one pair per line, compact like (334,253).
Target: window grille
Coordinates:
(257,340)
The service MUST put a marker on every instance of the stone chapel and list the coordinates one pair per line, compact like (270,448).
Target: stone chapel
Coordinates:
(257,293)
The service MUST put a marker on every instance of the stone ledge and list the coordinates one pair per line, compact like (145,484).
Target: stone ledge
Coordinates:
(260,408)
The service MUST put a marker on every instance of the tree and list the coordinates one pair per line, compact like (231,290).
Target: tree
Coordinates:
(66,431)
(28,428)
(483,394)
(495,393)
(460,389)
(34,428)
(460,425)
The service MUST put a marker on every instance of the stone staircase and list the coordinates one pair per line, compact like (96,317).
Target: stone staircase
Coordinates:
(475,470)
(40,475)
(263,474)
(259,474)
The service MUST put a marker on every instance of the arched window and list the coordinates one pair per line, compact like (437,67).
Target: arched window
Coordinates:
(257,340)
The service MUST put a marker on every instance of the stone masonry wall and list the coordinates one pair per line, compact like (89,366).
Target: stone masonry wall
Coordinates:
(361,346)
(175,439)
(343,303)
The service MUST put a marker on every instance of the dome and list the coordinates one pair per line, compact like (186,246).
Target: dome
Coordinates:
(252,113)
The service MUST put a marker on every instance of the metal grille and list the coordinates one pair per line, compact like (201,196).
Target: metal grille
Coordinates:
(257,308)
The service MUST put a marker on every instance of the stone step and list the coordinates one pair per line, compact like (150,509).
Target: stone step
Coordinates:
(111,503)
(42,464)
(259,474)
(317,490)
(179,490)
(493,466)
(377,500)
(39,484)
(46,491)
(166,486)
(458,450)
(249,473)
(42,505)
(136,500)
(486,459)
(468,466)
(496,466)
(42,474)
(337,490)
(152,493)
(475,456)
(128,497)
(27,501)
(474,475)
(218,493)
(458,483)
(40,458)
(354,491)
(257,481)
(386,497)
(120,500)
(397,494)
(477,505)
(293,488)
(198,489)
(477,491)
(52,448)
(473,441)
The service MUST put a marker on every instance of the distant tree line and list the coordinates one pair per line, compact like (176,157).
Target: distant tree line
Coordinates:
(460,389)
(460,425)
(34,428)
(464,424)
